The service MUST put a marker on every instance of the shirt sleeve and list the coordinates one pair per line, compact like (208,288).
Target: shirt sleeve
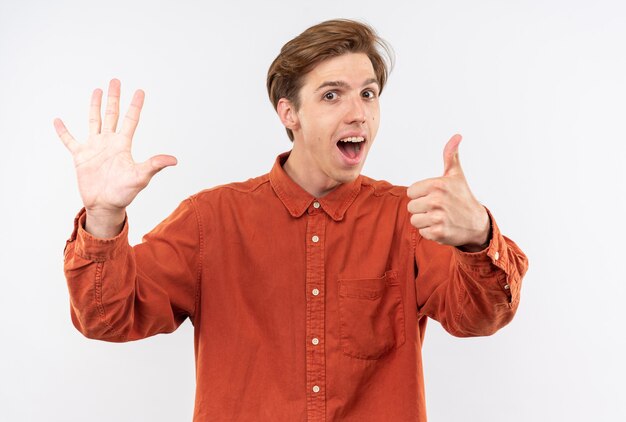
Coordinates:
(470,294)
(121,293)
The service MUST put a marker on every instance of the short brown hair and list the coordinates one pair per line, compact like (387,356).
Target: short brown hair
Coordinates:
(318,43)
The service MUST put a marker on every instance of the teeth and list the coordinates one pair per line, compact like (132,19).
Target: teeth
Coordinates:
(353,139)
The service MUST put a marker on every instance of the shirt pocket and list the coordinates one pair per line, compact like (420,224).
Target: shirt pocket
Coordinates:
(371,316)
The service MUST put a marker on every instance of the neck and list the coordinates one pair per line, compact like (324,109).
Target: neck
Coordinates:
(300,171)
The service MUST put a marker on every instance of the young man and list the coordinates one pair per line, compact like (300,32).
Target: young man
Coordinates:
(308,287)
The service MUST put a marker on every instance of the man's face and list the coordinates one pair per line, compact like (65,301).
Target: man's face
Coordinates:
(338,119)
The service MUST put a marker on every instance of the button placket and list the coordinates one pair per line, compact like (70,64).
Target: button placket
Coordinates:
(315,313)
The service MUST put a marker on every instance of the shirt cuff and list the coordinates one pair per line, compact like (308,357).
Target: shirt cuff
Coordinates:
(93,248)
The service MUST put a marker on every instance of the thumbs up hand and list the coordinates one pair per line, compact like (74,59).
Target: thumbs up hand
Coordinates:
(444,209)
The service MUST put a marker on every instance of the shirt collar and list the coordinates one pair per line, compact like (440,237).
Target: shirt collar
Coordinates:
(297,200)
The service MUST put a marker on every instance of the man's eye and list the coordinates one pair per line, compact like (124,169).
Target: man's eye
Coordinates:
(330,95)
(369,94)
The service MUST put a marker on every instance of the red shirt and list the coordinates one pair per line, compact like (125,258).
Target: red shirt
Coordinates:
(304,309)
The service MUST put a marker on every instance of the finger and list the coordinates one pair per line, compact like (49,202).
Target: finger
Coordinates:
(95,122)
(418,206)
(428,227)
(156,164)
(424,187)
(113,106)
(431,233)
(451,162)
(64,135)
(421,221)
(129,124)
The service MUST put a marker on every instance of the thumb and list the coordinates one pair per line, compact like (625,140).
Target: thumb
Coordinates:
(157,163)
(451,162)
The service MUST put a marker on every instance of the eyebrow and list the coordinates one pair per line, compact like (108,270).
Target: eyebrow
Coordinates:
(342,84)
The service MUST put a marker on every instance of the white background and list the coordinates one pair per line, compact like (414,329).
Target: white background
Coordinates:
(537,88)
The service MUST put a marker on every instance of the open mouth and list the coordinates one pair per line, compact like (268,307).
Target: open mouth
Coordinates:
(351,147)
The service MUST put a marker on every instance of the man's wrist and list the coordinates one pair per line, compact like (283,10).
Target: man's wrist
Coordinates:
(483,240)
(105,225)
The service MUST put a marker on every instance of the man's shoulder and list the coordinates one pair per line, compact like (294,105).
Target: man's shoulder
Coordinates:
(233,188)
(383,187)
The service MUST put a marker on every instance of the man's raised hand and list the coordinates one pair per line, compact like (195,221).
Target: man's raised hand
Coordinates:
(108,177)
(444,209)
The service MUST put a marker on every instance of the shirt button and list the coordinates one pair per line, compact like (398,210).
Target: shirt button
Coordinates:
(496,256)
(507,287)
(315,292)
(316,389)
(315,341)
(315,239)
(316,204)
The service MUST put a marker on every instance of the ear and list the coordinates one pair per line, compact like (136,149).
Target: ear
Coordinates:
(287,114)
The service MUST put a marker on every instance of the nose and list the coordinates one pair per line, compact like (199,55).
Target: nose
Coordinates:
(356,112)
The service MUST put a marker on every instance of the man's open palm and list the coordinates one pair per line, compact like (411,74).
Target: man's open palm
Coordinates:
(108,177)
